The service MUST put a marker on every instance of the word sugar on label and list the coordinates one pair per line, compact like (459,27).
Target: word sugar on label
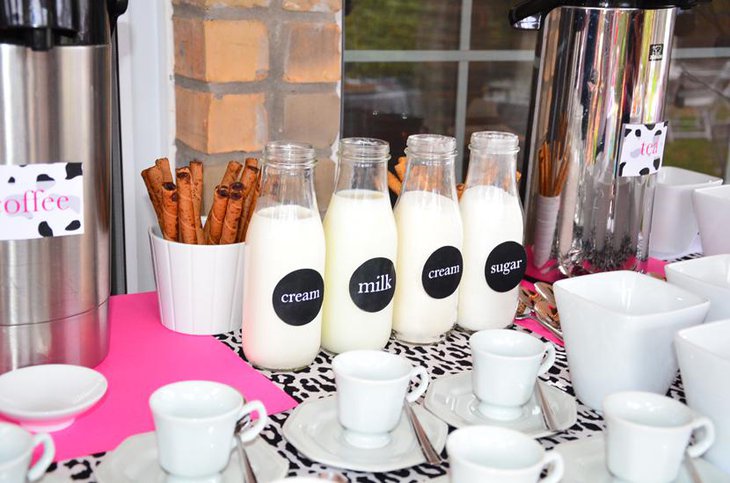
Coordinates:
(41,200)
(297,298)
(372,285)
(505,267)
(442,272)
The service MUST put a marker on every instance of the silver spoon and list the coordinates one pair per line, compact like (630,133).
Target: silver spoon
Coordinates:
(694,475)
(545,318)
(547,412)
(429,452)
(248,475)
(546,291)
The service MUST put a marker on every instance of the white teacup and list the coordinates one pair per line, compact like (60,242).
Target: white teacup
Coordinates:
(647,436)
(506,366)
(490,453)
(371,389)
(195,421)
(16,450)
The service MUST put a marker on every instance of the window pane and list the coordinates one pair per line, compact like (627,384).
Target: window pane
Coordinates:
(393,100)
(490,28)
(402,24)
(498,100)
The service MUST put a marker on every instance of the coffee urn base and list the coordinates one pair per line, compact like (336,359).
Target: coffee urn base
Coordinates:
(82,339)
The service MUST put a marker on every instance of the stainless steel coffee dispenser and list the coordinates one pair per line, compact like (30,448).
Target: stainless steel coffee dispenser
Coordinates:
(596,132)
(55,137)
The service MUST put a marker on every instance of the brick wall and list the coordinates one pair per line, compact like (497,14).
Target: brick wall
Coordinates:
(251,71)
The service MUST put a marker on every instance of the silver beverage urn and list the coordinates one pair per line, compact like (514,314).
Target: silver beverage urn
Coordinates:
(597,130)
(55,149)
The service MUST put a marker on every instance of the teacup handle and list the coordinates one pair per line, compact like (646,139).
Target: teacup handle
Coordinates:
(253,407)
(420,389)
(49,450)
(703,444)
(555,468)
(549,359)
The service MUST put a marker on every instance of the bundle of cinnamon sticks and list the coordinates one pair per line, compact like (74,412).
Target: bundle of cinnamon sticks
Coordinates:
(178,205)
(395,180)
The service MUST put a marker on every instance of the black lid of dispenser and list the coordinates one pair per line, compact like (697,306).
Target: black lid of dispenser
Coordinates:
(44,24)
(528,14)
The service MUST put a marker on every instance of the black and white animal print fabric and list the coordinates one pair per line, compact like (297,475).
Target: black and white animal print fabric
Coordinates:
(450,356)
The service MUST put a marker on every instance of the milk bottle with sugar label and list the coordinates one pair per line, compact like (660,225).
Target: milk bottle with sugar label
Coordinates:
(285,256)
(430,265)
(494,259)
(360,277)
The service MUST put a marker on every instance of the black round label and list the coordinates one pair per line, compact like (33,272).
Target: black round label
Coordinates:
(442,272)
(505,266)
(372,285)
(298,296)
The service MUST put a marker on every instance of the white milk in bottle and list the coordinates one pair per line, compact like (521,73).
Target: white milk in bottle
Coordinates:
(285,257)
(360,276)
(494,259)
(430,265)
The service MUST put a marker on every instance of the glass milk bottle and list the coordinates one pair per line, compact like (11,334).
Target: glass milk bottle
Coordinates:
(361,250)
(284,266)
(429,262)
(494,259)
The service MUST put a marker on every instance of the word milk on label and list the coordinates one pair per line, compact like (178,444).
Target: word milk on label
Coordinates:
(429,266)
(360,274)
(41,200)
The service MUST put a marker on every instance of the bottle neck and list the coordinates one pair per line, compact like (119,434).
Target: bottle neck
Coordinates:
(487,168)
(362,176)
(287,185)
(430,173)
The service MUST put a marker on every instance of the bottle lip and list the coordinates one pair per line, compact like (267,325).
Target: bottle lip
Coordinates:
(496,142)
(289,154)
(431,146)
(364,150)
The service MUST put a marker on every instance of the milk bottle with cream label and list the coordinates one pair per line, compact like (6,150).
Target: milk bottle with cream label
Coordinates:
(430,265)
(285,257)
(494,259)
(360,277)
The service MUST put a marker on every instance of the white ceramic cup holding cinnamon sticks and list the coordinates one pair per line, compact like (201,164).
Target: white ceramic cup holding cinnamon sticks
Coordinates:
(199,287)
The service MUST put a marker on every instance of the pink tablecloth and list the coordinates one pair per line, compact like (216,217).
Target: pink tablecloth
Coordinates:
(144,356)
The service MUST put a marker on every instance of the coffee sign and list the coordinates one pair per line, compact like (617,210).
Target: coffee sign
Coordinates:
(41,200)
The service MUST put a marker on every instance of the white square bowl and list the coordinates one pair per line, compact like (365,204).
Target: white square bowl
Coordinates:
(618,329)
(704,361)
(673,225)
(712,209)
(708,277)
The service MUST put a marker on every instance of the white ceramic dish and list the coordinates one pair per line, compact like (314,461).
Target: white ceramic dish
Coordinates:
(673,225)
(451,399)
(618,329)
(49,397)
(314,430)
(135,461)
(712,209)
(585,461)
(704,361)
(199,287)
(708,277)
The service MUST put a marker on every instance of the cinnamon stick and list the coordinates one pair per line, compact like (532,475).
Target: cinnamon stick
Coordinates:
(163,164)
(232,171)
(169,211)
(214,223)
(251,210)
(186,213)
(196,172)
(153,181)
(232,218)
(394,183)
(400,168)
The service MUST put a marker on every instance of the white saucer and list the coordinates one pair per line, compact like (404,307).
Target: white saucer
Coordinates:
(49,397)
(314,430)
(135,460)
(451,399)
(585,460)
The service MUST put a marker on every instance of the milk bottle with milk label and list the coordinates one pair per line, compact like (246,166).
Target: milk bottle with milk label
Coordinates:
(429,266)
(494,258)
(285,257)
(360,277)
